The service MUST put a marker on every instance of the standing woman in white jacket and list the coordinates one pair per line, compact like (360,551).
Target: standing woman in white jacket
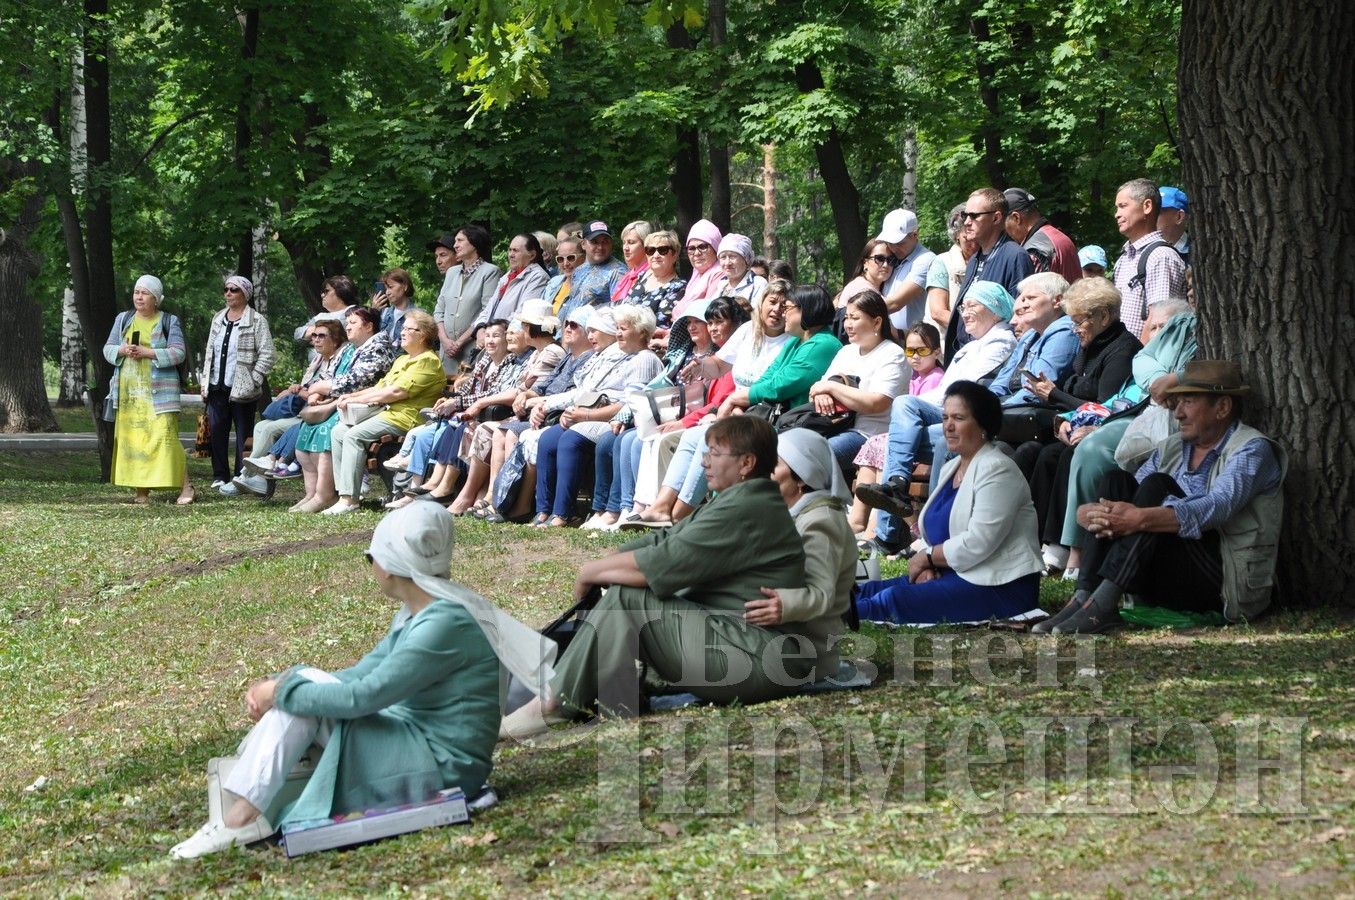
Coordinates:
(982,554)
(237,361)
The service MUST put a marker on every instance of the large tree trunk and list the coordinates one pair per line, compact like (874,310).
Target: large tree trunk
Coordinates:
(1267,128)
(837,179)
(686,180)
(98,316)
(718,149)
(23,395)
(249,25)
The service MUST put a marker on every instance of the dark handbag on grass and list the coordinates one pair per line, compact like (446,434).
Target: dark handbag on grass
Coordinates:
(1028,423)
(562,631)
(508,482)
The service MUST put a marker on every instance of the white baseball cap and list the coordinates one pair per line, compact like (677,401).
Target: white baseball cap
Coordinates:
(898,224)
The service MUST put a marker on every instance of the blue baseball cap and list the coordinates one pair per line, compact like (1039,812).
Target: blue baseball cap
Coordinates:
(1174,198)
(1092,255)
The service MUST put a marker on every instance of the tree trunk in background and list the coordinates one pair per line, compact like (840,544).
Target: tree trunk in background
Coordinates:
(1266,129)
(989,132)
(259,271)
(717,143)
(686,180)
(23,395)
(249,24)
(72,382)
(837,179)
(770,247)
(97,315)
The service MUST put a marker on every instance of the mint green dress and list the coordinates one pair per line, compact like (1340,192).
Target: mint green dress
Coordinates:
(315,438)
(418,714)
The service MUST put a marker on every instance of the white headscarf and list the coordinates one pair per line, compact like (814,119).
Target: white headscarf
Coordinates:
(416,543)
(243,284)
(811,459)
(152,284)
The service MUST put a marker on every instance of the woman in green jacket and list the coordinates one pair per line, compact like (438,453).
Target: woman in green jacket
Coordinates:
(416,715)
(804,359)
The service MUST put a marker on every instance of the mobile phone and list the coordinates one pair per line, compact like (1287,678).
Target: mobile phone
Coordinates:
(378,287)
(1033,376)
(136,338)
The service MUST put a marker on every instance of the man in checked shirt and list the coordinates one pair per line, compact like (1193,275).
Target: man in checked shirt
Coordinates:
(1137,204)
(1196,527)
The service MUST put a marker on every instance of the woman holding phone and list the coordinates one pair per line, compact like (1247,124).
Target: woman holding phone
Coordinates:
(145,347)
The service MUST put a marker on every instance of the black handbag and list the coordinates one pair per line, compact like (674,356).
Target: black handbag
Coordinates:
(806,416)
(1021,424)
(562,631)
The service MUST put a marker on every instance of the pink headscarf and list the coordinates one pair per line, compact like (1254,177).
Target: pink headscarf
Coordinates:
(702,285)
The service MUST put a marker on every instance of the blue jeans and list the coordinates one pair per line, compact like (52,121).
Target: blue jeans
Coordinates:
(603,470)
(422,448)
(845,446)
(614,470)
(561,456)
(685,473)
(909,419)
(284,448)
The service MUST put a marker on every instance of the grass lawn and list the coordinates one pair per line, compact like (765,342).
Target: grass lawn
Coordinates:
(978,764)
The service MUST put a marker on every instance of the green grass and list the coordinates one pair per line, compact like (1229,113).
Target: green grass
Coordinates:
(127,636)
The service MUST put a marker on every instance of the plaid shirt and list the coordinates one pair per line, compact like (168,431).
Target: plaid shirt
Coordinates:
(1165,278)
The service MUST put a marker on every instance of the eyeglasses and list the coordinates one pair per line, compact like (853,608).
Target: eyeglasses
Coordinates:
(699,248)
(662,251)
(568,257)
(882,260)
(710,453)
(971,216)
(917,352)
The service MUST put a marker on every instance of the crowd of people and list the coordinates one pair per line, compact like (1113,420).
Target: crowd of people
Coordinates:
(758,435)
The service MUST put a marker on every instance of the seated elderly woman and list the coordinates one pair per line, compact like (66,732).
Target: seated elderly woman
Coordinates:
(564,450)
(981,559)
(808,314)
(704,328)
(416,715)
(680,600)
(366,357)
(414,381)
(736,255)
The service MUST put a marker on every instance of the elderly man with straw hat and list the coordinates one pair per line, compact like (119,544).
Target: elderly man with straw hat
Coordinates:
(1195,529)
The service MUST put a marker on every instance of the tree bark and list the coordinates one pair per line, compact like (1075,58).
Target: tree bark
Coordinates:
(717,143)
(837,179)
(686,180)
(989,132)
(910,169)
(72,383)
(1266,131)
(249,24)
(770,247)
(23,394)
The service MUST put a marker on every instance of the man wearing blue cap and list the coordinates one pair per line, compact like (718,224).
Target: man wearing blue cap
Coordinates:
(1171,220)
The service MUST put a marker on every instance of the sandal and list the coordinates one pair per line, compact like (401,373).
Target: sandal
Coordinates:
(494,517)
(186,499)
(540,519)
(558,522)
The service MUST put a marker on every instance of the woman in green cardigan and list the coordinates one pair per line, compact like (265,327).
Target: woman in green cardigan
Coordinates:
(804,359)
(416,715)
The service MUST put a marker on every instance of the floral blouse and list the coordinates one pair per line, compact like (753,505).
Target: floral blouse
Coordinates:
(661,300)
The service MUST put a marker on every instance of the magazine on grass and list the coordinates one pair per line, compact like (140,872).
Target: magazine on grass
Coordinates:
(447,807)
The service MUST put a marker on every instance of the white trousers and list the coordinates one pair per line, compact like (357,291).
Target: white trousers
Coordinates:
(656,453)
(274,746)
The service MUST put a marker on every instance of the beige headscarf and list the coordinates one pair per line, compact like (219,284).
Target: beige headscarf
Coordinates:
(416,543)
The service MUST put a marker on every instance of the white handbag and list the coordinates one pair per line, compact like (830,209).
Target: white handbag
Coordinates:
(355,413)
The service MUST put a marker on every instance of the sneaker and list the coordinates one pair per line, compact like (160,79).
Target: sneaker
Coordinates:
(249,484)
(261,465)
(229,489)
(215,837)
(284,472)
(890,496)
(217,484)
(397,463)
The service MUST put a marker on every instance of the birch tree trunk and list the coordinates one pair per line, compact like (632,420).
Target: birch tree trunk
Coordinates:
(770,248)
(1266,130)
(72,382)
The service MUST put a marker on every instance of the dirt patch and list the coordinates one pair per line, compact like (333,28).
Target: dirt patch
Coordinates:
(222,560)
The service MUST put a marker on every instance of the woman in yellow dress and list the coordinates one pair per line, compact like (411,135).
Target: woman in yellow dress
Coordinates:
(146,347)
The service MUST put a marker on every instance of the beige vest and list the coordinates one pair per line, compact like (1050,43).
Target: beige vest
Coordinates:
(1248,541)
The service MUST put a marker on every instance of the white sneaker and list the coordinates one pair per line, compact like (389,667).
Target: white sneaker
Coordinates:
(251,484)
(261,465)
(595,523)
(229,489)
(397,463)
(340,508)
(215,837)
(216,485)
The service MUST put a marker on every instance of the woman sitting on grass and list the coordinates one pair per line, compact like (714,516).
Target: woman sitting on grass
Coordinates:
(416,715)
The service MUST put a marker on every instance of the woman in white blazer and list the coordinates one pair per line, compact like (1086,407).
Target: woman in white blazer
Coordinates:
(982,554)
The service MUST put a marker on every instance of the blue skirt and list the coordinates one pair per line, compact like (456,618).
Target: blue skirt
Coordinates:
(946,599)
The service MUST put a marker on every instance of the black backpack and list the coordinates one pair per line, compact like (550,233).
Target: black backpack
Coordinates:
(1141,275)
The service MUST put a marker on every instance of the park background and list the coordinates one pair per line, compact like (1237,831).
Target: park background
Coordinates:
(300,139)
